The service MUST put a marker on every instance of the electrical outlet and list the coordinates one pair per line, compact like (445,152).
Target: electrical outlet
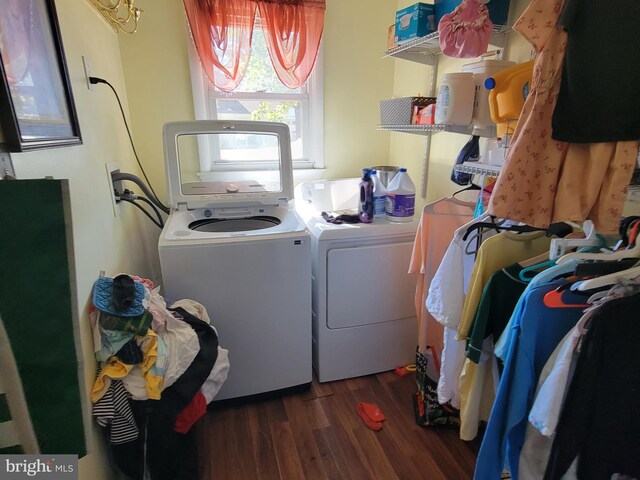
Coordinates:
(87,72)
(113,167)
(118,185)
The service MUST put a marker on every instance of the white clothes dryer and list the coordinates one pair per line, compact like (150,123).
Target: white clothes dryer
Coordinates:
(233,243)
(364,316)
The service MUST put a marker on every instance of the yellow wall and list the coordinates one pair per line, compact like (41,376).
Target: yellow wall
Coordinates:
(355,80)
(101,241)
(150,72)
(156,71)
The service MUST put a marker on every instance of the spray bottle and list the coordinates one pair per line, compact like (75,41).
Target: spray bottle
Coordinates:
(366,197)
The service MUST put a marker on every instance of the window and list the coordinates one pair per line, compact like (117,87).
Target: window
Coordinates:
(262,97)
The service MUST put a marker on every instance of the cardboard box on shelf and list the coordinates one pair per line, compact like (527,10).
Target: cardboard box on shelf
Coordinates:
(424,115)
(390,37)
(415,21)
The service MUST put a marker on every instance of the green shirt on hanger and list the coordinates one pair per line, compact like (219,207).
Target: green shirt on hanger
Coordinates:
(499,298)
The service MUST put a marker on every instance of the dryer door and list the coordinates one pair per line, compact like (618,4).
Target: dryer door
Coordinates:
(369,284)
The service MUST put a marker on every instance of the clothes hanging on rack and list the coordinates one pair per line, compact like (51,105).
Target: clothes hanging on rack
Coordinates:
(444,302)
(544,181)
(549,331)
(599,420)
(551,391)
(455,309)
(598,99)
(536,334)
(544,322)
(499,298)
(479,376)
(495,253)
(438,224)
(502,345)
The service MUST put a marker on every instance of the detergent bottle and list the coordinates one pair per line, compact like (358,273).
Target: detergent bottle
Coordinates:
(508,89)
(481,71)
(401,198)
(379,195)
(366,197)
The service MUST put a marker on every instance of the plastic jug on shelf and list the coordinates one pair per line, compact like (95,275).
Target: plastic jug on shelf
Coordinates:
(508,89)
(481,71)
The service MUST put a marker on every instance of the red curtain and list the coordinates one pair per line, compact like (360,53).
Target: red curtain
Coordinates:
(293,30)
(222,32)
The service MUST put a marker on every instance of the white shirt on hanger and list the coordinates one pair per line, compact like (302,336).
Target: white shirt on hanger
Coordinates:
(445,300)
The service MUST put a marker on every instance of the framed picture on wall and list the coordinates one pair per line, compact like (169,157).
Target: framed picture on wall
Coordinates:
(36,102)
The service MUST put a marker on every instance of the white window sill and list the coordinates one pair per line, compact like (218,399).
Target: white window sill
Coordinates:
(305,174)
(299,175)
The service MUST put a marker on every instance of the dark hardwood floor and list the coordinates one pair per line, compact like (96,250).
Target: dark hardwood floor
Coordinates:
(318,435)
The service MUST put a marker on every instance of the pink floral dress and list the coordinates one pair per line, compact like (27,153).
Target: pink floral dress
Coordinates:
(544,181)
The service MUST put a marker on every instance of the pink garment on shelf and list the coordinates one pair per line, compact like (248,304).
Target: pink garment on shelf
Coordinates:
(544,181)
(465,32)
(438,223)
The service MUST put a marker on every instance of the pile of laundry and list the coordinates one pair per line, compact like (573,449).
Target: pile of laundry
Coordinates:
(159,367)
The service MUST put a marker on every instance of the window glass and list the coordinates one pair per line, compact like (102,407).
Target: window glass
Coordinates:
(235,149)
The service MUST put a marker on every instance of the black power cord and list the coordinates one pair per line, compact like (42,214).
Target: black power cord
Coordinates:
(151,204)
(125,198)
(132,178)
(95,80)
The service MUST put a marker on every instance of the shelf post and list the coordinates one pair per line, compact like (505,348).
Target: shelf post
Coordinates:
(427,143)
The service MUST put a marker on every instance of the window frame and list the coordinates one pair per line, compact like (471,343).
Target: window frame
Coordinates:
(313,133)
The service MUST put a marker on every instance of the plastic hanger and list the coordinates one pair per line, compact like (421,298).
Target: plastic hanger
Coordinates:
(610,279)
(632,252)
(535,261)
(523,273)
(533,265)
(597,296)
(559,246)
(498,227)
(470,187)
(553,299)
(477,237)
(589,270)
(625,225)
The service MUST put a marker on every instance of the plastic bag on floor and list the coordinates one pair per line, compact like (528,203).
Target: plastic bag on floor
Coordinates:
(428,412)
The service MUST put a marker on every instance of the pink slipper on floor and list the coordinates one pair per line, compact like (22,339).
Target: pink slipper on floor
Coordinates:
(373,411)
(373,425)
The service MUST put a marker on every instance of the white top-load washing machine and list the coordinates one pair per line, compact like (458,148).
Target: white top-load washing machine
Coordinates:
(234,244)
(364,316)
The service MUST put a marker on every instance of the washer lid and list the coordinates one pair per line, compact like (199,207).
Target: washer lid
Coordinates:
(215,163)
